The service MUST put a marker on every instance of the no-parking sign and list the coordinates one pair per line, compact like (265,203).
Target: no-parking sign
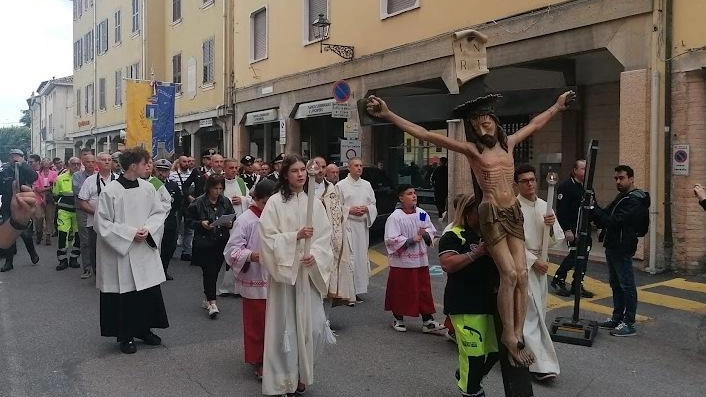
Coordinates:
(349,148)
(680,159)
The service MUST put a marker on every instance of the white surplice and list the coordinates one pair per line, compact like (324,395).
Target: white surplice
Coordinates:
(244,240)
(357,193)
(400,227)
(233,188)
(295,325)
(122,264)
(535,331)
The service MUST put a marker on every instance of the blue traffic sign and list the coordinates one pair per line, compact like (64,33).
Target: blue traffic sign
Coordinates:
(341,91)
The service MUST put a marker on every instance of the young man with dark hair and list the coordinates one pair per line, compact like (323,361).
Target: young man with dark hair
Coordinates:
(129,223)
(619,235)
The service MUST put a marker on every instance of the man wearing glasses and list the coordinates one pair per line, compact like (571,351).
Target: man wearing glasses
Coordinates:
(67,225)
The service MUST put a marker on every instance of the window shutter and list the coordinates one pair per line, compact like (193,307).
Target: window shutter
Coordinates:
(394,6)
(260,34)
(316,7)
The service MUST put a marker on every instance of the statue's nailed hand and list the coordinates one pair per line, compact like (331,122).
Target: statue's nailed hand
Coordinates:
(565,99)
(376,107)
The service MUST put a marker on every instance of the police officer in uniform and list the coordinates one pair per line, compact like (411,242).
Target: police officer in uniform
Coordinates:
(569,198)
(248,176)
(276,165)
(26,177)
(169,239)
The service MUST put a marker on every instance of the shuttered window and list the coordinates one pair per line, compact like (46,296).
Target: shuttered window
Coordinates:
(118,87)
(102,42)
(394,6)
(316,7)
(208,54)
(176,72)
(116,20)
(101,93)
(258,20)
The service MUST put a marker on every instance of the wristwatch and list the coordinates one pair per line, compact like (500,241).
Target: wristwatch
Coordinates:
(18,226)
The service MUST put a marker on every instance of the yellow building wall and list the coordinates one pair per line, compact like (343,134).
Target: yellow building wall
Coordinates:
(197,24)
(357,23)
(688,26)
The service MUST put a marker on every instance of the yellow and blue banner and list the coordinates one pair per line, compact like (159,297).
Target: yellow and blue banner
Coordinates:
(150,115)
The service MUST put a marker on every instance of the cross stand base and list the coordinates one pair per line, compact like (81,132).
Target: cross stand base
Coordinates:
(566,330)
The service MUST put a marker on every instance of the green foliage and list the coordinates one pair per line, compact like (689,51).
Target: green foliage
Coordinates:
(14,138)
(26,119)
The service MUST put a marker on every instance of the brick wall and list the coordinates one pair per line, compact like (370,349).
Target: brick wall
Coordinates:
(689,127)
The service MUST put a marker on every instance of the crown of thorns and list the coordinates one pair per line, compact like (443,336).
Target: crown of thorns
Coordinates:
(477,107)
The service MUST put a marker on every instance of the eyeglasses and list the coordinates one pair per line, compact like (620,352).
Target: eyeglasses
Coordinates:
(527,181)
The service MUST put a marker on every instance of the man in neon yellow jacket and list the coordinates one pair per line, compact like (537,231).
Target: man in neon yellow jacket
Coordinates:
(67,224)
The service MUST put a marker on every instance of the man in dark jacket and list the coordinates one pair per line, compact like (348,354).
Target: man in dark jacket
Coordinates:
(440,181)
(569,197)
(619,238)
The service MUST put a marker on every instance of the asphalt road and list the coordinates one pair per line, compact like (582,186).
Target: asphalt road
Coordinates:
(50,345)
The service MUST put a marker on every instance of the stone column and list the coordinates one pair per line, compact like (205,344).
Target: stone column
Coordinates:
(634,137)
(241,142)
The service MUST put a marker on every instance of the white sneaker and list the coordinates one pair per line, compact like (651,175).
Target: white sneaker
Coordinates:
(213,311)
(433,327)
(399,326)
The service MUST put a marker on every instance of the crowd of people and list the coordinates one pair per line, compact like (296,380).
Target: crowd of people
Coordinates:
(124,214)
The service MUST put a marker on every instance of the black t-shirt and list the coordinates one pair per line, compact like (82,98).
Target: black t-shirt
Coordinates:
(473,289)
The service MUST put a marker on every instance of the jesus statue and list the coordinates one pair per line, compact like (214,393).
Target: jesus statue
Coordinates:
(490,154)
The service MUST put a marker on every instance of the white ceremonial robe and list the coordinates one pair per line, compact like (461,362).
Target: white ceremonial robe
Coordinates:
(401,226)
(295,324)
(535,330)
(357,193)
(122,264)
(341,285)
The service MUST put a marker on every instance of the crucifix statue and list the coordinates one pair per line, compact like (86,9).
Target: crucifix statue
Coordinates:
(489,151)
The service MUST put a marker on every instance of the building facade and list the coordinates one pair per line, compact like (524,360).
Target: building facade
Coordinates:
(614,54)
(51,111)
(182,42)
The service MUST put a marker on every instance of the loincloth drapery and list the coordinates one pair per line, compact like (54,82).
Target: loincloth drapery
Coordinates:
(497,222)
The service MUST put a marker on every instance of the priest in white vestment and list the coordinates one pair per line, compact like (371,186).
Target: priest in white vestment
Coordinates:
(534,211)
(129,223)
(295,326)
(341,290)
(359,205)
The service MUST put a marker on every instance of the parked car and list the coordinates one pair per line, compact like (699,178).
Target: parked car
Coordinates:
(385,197)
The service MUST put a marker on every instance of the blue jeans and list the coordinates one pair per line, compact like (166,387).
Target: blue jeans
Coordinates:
(622,282)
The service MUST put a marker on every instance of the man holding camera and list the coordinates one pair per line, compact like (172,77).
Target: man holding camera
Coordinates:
(14,174)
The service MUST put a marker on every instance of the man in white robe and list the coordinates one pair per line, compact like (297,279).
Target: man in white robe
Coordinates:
(341,290)
(129,223)
(359,205)
(534,211)
(295,326)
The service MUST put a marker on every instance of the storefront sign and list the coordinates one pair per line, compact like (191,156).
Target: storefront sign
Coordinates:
(206,123)
(340,110)
(350,148)
(313,109)
(264,116)
(282,132)
(680,159)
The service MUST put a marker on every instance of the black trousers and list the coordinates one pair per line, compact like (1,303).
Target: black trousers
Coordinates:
(568,263)
(211,261)
(169,243)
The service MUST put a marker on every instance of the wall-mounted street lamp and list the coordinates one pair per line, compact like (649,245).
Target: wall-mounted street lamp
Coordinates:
(322,25)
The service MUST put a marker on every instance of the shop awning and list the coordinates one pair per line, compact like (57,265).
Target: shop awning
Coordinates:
(314,109)
(261,117)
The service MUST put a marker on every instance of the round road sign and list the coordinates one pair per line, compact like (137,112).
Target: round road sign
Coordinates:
(341,91)
(680,156)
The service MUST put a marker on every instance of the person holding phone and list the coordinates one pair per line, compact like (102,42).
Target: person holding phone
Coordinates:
(14,174)
(210,240)
(408,233)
